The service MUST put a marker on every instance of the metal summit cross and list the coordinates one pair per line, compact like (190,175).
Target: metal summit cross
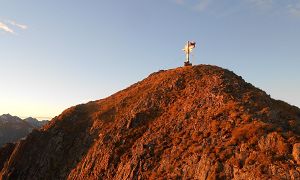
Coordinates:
(188,48)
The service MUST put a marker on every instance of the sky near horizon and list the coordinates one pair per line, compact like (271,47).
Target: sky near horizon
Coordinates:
(59,53)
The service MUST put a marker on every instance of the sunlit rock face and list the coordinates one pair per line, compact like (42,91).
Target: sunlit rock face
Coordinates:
(195,122)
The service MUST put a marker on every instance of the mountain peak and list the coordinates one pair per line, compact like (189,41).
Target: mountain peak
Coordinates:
(190,122)
(6,115)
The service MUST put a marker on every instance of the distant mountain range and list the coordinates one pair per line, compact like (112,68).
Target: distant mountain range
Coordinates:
(13,128)
(36,123)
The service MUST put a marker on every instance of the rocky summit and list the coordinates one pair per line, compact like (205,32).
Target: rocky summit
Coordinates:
(197,122)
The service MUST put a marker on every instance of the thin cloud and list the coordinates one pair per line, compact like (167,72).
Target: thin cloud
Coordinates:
(21,26)
(5,28)
(202,5)
(10,26)
(198,5)
(179,1)
(261,3)
(267,6)
(294,9)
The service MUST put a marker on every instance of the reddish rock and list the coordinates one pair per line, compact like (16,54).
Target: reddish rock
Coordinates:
(275,143)
(296,152)
(198,122)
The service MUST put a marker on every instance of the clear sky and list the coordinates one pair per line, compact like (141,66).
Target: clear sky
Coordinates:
(58,53)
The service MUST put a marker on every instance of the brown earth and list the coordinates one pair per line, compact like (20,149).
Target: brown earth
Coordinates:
(200,122)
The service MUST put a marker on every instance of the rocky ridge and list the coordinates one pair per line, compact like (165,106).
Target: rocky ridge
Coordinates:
(199,122)
(35,123)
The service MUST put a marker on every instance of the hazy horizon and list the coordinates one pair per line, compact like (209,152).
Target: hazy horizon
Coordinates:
(25,117)
(57,54)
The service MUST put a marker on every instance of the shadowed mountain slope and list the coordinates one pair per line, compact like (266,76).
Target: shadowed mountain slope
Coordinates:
(13,128)
(35,123)
(199,122)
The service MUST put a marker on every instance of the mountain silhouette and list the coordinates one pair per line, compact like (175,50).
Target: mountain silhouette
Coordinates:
(197,122)
(36,123)
(13,128)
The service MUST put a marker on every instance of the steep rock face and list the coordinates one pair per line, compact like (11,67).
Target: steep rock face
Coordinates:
(200,122)
(5,152)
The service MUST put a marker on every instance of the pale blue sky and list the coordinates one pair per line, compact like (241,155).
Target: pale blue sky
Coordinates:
(59,53)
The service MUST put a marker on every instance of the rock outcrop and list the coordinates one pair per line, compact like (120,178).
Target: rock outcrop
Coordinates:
(199,122)
(296,152)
